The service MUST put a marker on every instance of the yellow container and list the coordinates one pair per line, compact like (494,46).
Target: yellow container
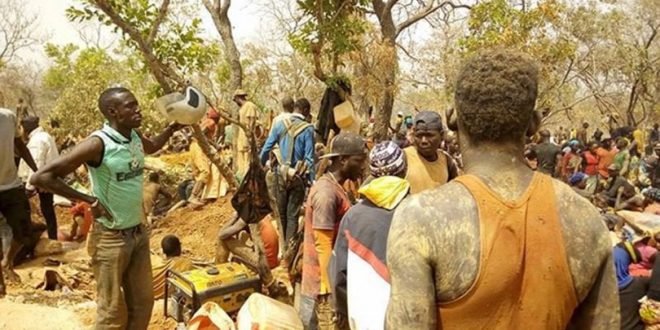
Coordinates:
(344,115)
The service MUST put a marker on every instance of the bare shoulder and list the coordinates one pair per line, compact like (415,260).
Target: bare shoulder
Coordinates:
(585,237)
(443,225)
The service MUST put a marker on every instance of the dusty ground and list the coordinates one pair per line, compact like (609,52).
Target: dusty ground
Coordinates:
(71,305)
(35,317)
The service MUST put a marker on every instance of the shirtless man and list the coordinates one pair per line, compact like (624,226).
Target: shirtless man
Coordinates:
(155,197)
(442,279)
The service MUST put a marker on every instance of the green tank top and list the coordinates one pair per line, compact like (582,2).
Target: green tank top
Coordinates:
(117,182)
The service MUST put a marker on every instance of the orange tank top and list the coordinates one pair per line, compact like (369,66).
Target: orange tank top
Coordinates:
(523,281)
(422,174)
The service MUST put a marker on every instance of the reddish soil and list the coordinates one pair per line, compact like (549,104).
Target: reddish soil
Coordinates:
(197,229)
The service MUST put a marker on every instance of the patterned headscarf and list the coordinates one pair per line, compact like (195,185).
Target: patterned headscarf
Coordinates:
(387,159)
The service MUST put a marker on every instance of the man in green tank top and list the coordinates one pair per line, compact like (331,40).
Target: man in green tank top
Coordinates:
(118,243)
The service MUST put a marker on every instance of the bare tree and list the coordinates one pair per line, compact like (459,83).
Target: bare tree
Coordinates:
(18,30)
(639,88)
(91,34)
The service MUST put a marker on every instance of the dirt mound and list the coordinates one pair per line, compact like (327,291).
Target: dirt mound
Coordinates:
(197,229)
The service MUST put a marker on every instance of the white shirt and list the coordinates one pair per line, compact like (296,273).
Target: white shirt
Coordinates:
(43,150)
(8,176)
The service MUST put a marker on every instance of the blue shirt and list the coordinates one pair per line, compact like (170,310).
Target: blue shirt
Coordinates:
(621,263)
(303,148)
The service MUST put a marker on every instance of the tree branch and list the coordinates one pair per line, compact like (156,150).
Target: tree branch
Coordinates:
(405,51)
(157,68)
(424,12)
(219,13)
(654,32)
(224,7)
(390,4)
(162,12)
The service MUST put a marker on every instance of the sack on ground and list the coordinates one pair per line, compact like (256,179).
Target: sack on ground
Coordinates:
(211,317)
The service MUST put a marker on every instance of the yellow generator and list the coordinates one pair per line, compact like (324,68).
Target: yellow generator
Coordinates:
(228,285)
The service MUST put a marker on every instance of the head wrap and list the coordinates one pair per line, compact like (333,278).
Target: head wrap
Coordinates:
(387,159)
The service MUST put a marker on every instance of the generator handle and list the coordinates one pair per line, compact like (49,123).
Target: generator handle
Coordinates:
(178,275)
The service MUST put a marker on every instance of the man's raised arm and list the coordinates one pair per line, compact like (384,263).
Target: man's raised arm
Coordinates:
(152,145)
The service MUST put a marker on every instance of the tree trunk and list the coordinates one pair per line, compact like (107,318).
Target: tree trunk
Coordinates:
(384,112)
(219,12)
(632,101)
(389,33)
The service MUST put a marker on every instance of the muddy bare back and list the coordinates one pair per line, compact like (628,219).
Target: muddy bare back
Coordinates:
(451,248)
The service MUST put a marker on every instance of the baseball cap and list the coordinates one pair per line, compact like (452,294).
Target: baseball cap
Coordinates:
(428,120)
(240,92)
(347,144)
(577,177)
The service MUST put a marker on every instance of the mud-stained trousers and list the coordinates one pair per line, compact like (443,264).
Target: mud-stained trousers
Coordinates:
(121,263)
(318,314)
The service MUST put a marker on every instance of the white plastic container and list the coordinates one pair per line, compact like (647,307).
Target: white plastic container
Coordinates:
(264,313)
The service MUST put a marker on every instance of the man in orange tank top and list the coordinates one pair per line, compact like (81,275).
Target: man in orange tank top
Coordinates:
(501,247)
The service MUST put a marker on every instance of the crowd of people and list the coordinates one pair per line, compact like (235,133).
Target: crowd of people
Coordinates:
(487,221)
(616,172)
